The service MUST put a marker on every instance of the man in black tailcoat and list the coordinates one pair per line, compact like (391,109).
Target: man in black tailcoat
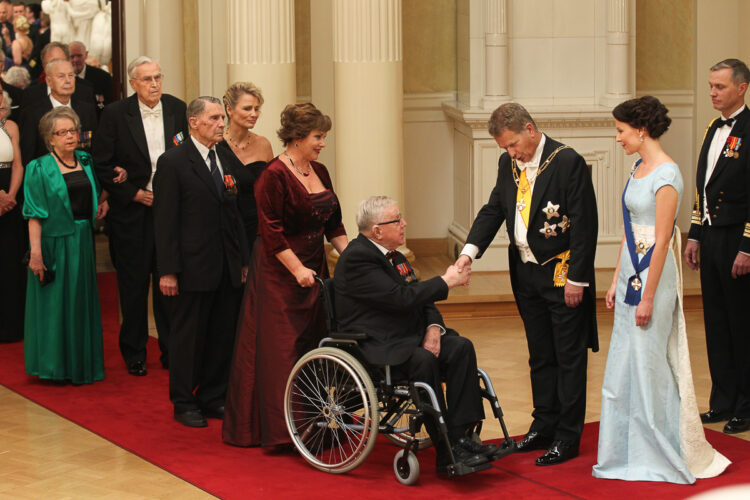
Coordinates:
(201,251)
(545,196)
(720,229)
(99,79)
(378,294)
(132,134)
(61,82)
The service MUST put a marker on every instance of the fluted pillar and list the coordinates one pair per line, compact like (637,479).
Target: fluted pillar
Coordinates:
(368,102)
(618,77)
(496,60)
(261,50)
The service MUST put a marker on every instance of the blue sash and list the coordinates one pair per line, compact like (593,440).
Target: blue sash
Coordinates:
(633,290)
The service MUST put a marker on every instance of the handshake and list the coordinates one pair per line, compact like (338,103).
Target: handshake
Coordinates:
(459,273)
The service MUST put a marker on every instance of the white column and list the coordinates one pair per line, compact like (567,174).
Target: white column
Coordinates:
(261,50)
(618,77)
(368,102)
(496,60)
(321,69)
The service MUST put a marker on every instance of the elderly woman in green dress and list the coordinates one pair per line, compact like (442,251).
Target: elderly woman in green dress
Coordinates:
(63,328)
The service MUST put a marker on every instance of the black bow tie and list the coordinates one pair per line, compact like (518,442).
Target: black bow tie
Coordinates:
(720,122)
(391,255)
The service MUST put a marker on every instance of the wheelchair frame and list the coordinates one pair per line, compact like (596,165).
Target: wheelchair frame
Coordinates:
(334,411)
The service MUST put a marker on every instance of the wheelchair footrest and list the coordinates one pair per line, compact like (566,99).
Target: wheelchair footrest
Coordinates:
(505,448)
(459,469)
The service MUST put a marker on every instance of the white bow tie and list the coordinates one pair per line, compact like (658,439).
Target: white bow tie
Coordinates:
(156,113)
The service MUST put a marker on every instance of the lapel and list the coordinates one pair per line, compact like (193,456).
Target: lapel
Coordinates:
(738,130)
(542,181)
(703,156)
(135,125)
(85,162)
(389,269)
(169,124)
(56,180)
(199,167)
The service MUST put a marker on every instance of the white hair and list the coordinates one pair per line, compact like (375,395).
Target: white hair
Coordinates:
(18,76)
(370,211)
(137,62)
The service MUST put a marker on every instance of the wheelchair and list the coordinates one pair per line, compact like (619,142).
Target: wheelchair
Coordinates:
(336,404)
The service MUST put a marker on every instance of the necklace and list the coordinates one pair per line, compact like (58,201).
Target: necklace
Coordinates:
(71,167)
(240,145)
(309,168)
(542,168)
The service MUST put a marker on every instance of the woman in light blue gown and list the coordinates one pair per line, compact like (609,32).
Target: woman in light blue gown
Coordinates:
(650,426)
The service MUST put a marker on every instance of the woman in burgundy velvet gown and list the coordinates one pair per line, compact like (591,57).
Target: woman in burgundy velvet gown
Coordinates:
(282,317)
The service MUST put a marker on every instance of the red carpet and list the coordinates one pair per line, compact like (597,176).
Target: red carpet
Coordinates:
(135,413)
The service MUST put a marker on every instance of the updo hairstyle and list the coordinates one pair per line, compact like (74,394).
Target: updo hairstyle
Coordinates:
(298,120)
(21,25)
(237,90)
(644,112)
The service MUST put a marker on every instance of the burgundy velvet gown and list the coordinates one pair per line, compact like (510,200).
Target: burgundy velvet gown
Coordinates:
(280,320)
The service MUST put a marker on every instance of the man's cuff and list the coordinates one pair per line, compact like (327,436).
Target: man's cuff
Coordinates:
(470,251)
(577,283)
(693,239)
(744,253)
(442,330)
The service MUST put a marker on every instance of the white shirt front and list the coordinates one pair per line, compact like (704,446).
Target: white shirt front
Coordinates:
(203,150)
(714,151)
(153,126)
(56,103)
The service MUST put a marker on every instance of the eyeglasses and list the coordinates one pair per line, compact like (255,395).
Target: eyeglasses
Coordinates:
(63,133)
(149,79)
(394,221)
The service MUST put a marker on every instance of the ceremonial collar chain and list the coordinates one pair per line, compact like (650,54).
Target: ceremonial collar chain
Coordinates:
(542,167)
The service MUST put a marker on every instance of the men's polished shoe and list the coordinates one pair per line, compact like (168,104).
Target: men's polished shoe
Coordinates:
(737,424)
(712,416)
(137,368)
(191,418)
(461,455)
(476,448)
(534,441)
(217,412)
(559,452)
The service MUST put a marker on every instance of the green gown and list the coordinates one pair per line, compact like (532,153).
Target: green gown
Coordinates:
(63,327)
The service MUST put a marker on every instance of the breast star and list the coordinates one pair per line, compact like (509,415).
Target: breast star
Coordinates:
(548,230)
(551,210)
(564,224)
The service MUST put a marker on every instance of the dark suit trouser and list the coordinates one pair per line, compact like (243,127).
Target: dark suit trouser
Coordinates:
(200,347)
(558,356)
(725,315)
(133,253)
(457,365)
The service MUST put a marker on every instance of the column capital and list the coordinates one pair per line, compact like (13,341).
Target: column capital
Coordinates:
(267,40)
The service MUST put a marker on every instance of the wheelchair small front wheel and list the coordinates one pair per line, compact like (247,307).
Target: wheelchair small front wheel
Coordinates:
(406,467)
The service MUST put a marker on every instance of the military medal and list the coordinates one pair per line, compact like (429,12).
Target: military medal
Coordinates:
(521,205)
(732,147)
(561,269)
(177,139)
(551,210)
(641,246)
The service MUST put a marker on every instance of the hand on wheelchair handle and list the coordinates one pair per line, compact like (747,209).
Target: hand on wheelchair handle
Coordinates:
(305,277)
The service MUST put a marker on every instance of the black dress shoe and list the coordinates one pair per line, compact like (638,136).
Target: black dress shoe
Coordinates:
(712,416)
(559,452)
(737,424)
(477,448)
(137,368)
(461,455)
(534,441)
(191,418)
(217,412)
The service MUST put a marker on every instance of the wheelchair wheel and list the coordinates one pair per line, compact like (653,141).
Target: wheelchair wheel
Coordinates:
(406,468)
(331,411)
(401,438)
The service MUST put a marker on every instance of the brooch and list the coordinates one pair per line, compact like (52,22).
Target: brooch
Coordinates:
(564,224)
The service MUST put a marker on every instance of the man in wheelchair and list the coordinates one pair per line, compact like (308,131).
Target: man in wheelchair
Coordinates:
(377,293)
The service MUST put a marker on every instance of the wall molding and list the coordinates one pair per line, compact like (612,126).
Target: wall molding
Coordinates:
(426,107)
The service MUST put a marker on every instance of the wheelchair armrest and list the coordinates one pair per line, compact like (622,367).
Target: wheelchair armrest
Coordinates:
(348,336)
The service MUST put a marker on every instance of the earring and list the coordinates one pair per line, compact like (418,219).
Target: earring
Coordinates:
(641,137)
(296,144)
